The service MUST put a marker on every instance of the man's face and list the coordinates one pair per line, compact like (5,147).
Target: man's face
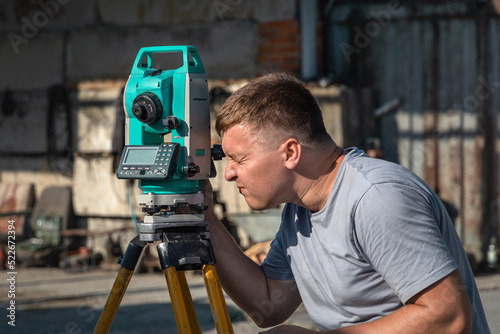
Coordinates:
(256,167)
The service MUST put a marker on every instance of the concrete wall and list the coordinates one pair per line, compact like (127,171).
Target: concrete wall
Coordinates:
(50,42)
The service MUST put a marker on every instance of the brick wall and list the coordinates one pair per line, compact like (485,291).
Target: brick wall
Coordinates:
(279,47)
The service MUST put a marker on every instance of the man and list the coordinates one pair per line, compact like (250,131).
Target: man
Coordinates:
(363,243)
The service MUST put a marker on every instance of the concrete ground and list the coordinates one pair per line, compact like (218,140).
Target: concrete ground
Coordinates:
(55,301)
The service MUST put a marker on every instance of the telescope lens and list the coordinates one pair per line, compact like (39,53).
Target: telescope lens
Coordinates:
(147,108)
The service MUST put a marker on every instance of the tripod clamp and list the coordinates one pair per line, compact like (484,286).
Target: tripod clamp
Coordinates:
(185,243)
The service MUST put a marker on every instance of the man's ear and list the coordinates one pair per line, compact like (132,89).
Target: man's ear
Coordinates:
(292,152)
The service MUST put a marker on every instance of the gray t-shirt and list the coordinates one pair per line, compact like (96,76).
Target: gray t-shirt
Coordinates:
(382,237)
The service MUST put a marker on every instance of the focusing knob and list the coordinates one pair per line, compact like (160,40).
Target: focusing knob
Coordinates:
(147,108)
(171,122)
(190,169)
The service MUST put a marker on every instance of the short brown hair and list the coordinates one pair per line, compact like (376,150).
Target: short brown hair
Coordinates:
(275,100)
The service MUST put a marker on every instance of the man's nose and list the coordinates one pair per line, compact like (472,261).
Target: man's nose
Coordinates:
(230,173)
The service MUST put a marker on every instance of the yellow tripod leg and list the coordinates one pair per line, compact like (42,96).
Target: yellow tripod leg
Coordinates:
(128,263)
(217,301)
(182,303)
(113,302)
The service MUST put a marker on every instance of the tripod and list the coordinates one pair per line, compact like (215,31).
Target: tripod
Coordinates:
(185,245)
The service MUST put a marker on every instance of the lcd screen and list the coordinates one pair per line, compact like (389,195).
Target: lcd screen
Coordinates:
(140,156)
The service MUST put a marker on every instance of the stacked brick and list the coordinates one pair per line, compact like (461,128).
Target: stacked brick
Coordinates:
(279,47)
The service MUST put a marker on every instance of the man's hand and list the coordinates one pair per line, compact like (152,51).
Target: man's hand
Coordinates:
(287,329)
(208,199)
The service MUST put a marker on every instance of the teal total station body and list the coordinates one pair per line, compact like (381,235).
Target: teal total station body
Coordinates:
(167,123)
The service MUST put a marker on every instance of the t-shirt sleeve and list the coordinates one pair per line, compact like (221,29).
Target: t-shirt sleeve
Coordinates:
(397,233)
(276,264)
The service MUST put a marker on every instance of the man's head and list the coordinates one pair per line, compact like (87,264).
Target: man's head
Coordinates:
(275,103)
(266,127)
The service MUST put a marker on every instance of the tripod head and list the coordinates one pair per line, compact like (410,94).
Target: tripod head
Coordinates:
(167,131)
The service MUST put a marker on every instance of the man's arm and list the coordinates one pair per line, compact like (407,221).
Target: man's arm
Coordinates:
(443,307)
(267,301)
